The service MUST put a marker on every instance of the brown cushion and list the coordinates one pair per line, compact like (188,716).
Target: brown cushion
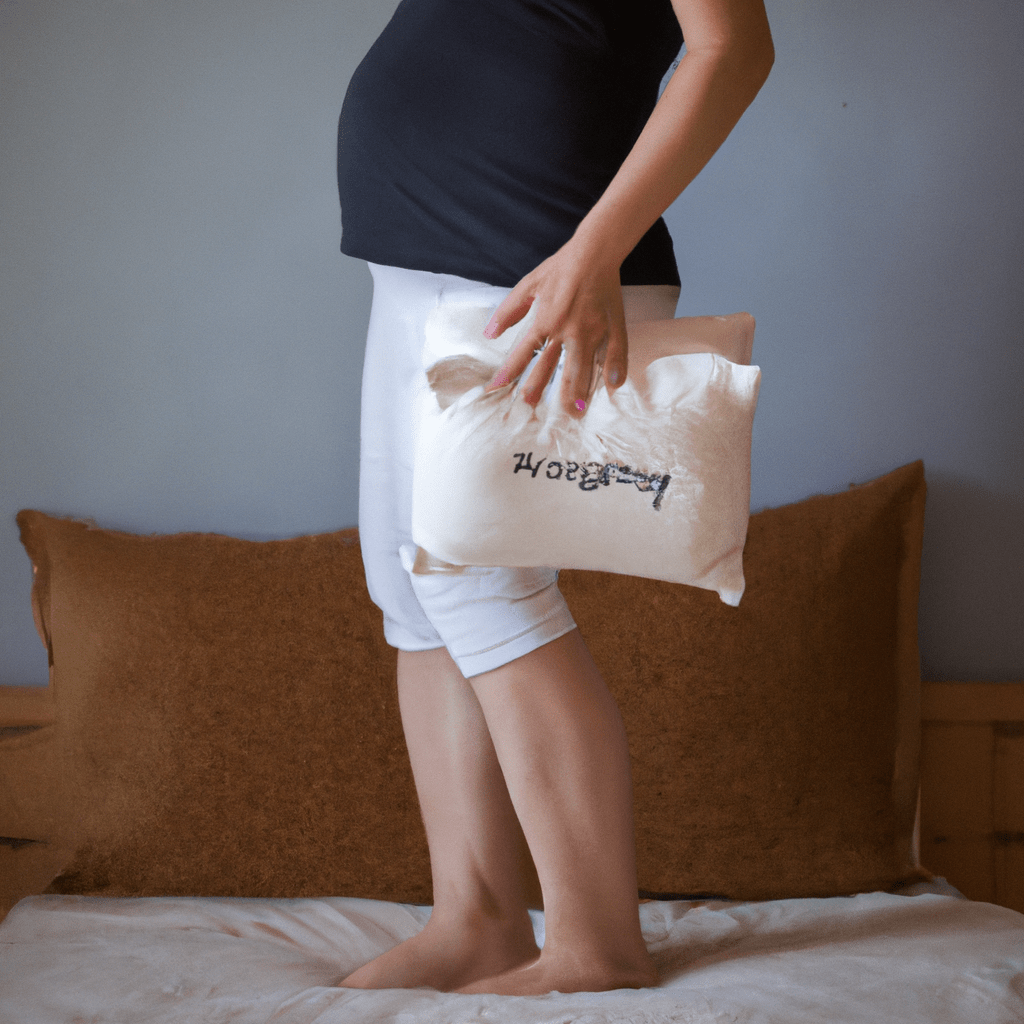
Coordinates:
(227,719)
(226,715)
(775,745)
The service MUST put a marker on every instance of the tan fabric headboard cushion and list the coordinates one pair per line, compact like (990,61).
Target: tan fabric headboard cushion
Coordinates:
(776,745)
(228,725)
(226,715)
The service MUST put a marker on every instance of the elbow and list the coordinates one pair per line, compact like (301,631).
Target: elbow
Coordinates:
(744,56)
(748,47)
(753,54)
(763,57)
(748,64)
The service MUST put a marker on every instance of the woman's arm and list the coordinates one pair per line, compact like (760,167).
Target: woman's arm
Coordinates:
(728,56)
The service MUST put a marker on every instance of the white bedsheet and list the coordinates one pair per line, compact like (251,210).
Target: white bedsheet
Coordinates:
(870,958)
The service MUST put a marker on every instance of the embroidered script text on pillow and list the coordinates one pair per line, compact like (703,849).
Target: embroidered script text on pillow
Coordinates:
(595,473)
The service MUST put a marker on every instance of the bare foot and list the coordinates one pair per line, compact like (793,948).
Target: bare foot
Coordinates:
(564,974)
(445,958)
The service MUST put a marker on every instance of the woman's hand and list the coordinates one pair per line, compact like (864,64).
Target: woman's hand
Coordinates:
(728,55)
(579,310)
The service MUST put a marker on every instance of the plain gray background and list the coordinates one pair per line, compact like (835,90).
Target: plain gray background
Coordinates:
(181,341)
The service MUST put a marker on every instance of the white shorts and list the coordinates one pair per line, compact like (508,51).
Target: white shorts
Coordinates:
(485,617)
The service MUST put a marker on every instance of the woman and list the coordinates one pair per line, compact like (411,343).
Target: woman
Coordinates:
(510,153)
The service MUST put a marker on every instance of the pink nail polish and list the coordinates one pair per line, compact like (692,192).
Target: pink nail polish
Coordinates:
(580,404)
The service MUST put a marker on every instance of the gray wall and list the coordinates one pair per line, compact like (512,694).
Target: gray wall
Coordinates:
(181,342)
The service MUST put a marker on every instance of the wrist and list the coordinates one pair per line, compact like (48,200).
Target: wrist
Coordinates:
(596,246)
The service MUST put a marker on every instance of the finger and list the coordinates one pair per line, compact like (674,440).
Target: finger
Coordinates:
(616,359)
(517,361)
(577,378)
(584,366)
(546,365)
(511,311)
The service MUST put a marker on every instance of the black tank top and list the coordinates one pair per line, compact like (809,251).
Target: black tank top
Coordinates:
(476,134)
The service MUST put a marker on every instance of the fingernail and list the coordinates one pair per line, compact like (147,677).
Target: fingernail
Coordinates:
(614,378)
(580,404)
(491,330)
(499,382)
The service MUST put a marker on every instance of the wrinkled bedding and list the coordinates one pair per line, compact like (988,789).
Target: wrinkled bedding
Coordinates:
(877,957)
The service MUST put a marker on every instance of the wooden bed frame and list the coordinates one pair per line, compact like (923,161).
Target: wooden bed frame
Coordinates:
(972,788)
(972,792)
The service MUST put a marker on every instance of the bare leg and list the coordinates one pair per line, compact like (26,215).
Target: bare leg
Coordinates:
(562,746)
(482,874)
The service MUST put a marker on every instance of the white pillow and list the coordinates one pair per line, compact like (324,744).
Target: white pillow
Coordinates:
(653,480)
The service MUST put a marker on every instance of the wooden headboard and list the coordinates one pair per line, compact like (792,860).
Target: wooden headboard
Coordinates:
(972,788)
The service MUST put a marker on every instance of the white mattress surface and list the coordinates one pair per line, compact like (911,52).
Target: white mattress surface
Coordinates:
(876,957)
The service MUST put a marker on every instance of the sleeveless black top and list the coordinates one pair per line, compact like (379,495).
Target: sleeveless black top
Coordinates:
(476,134)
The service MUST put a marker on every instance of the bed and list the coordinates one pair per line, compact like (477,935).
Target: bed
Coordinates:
(209,814)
